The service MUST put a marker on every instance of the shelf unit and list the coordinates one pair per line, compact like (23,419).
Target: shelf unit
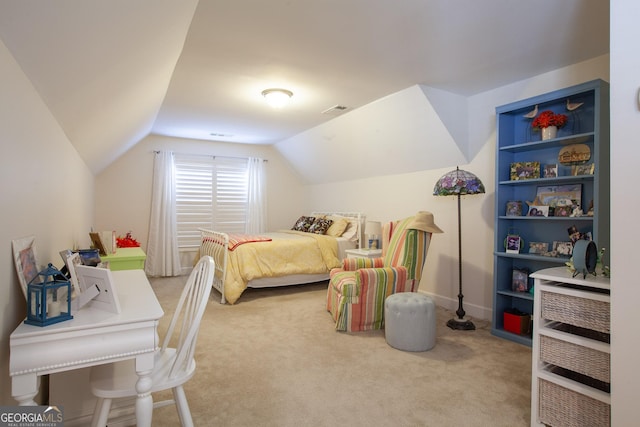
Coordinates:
(571,357)
(517,142)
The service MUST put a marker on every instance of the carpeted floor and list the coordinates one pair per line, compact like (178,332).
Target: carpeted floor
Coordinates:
(274,359)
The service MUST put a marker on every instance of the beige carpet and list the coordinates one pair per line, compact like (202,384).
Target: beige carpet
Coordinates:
(274,359)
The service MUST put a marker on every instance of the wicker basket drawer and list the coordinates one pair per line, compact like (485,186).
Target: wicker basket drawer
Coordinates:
(584,360)
(582,312)
(559,406)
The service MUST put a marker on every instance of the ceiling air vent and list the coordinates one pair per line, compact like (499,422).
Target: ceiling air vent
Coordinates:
(335,110)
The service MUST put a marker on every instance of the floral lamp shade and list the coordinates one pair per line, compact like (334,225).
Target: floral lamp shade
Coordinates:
(458,182)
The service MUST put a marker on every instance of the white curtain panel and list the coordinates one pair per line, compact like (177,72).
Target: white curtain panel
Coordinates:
(257,204)
(162,248)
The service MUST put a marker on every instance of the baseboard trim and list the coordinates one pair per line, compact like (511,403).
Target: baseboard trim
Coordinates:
(473,310)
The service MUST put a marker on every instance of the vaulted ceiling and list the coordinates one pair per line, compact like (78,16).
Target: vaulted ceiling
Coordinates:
(113,71)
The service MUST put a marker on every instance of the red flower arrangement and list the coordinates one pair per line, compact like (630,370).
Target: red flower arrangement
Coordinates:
(127,241)
(549,118)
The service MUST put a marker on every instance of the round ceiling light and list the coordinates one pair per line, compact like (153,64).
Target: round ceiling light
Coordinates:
(277,98)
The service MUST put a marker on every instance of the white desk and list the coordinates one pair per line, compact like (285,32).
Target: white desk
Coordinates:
(91,338)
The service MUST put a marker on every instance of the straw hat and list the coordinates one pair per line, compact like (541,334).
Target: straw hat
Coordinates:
(424,221)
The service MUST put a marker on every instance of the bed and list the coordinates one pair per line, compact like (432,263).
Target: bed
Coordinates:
(285,257)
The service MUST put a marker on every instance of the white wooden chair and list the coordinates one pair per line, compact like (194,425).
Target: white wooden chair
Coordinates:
(173,366)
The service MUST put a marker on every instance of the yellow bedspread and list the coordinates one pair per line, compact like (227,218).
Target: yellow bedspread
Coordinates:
(289,252)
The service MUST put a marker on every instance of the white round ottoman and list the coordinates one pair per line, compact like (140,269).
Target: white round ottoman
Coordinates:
(410,321)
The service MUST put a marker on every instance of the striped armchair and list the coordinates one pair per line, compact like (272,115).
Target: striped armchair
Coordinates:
(356,293)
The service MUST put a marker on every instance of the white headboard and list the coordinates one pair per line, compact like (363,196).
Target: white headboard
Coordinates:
(361,217)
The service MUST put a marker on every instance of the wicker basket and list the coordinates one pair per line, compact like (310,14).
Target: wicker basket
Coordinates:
(577,358)
(582,312)
(559,407)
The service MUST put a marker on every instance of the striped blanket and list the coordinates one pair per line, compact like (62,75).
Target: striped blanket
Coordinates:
(236,240)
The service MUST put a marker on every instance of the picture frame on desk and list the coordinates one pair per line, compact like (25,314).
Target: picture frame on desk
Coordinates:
(107,298)
(26,261)
(96,241)
(71,261)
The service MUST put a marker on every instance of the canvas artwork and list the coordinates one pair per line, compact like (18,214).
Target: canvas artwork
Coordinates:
(24,256)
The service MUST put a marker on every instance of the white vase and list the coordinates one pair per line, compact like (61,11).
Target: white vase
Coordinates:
(549,132)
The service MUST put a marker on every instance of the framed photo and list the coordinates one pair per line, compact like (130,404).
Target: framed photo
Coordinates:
(514,208)
(563,248)
(72,260)
(524,170)
(586,169)
(513,243)
(535,210)
(26,261)
(564,211)
(560,195)
(520,280)
(539,248)
(96,241)
(107,298)
(551,170)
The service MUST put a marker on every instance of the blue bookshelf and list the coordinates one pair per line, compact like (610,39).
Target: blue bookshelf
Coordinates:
(518,143)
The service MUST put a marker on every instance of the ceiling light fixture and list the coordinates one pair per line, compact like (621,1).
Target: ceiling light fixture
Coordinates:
(277,98)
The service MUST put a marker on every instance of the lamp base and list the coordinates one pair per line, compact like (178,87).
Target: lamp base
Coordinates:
(461,324)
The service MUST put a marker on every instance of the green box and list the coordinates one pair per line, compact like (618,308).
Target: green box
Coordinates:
(126,259)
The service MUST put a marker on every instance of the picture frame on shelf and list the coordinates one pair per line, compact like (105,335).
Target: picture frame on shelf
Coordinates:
(514,208)
(538,210)
(586,169)
(513,244)
(551,170)
(520,280)
(107,298)
(25,260)
(559,195)
(564,249)
(562,211)
(524,170)
(539,248)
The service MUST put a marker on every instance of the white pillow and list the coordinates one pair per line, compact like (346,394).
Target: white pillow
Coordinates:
(352,230)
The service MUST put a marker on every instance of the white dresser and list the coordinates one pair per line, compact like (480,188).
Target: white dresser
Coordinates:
(571,377)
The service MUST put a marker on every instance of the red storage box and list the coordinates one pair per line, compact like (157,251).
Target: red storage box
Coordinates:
(517,322)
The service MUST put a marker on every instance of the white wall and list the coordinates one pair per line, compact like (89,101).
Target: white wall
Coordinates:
(46,191)
(396,196)
(124,188)
(625,202)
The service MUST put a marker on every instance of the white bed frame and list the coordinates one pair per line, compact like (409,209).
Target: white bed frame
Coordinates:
(216,244)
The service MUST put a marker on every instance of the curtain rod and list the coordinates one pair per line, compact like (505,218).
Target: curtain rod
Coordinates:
(210,155)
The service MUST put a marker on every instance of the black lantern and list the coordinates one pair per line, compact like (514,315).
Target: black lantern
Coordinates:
(48,298)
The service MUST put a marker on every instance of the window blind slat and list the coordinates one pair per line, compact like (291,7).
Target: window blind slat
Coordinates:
(210,193)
